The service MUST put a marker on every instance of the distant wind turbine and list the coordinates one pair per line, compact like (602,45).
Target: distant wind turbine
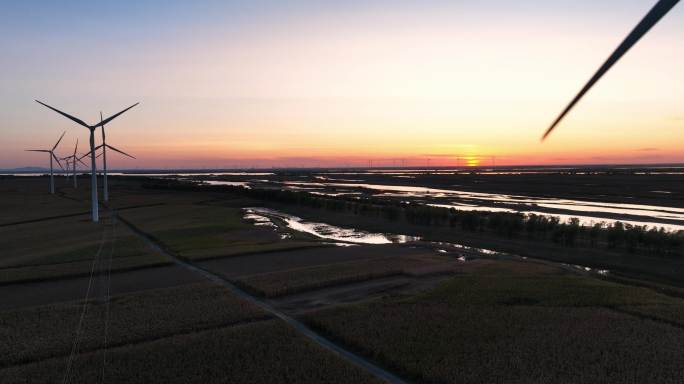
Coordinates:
(52,156)
(67,165)
(656,13)
(93,167)
(71,160)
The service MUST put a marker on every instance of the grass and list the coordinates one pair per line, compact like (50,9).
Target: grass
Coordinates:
(276,354)
(496,286)
(274,284)
(52,241)
(668,312)
(194,231)
(46,331)
(26,199)
(73,269)
(198,232)
(126,244)
(69,247)
(503,323)
(127,192)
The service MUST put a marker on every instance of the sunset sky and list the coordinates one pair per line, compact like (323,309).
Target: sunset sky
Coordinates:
(317,83)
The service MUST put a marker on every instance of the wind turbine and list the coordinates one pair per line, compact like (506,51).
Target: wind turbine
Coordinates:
(72,159)
(52,156)
(656,13)
(104,147)
(93,167)
(67,163)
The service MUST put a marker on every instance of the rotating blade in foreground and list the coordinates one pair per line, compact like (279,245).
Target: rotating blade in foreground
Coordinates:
(652,17)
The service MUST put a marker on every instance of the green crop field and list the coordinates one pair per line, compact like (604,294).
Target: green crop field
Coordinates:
(28,199)
(501,324)
(672,312)
(79,268)
(281,283)
(127,192)
(45,331)
(69,247)
(263,352)
(196,231)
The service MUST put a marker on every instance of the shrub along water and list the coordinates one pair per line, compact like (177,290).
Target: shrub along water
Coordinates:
(618,236)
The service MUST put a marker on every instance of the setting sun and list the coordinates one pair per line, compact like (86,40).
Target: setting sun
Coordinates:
(472,161)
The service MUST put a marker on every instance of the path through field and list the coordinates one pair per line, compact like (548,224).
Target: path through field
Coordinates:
(295,324)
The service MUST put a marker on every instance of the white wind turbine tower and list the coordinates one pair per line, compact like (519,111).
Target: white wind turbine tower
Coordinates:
(93,167)
(52,156)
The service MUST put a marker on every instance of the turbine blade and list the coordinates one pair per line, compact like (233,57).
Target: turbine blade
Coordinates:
(659,10)
(76,148)
(68,116)
(102,127)
(110,118)
(120,151)
(85,155)
(60,139)
(81,161)
(57,160)
(36,150)
(88,153)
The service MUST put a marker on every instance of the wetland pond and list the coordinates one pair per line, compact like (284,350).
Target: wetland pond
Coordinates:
(342,236)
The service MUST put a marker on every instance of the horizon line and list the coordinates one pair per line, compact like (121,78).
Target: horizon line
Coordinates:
(422,167)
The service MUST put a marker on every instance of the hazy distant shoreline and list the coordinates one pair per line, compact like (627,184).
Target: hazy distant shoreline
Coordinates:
(418,168)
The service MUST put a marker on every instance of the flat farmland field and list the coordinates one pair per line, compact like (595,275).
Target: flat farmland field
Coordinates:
(416,310)
(196,232)
(274,284)
(144,334)
(261,352)
(27,198)
(40,332)
(70,245)
(126,192)
(500,324)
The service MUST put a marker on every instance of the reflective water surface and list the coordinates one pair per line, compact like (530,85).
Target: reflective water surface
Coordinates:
(349,183)
(266,216)
(588,212)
